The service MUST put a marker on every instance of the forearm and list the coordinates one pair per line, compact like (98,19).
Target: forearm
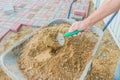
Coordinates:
(108,7)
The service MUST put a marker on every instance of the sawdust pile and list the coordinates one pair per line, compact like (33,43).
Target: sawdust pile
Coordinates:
(43,58)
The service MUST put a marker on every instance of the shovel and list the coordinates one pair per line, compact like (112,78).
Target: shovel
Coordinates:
(60,36)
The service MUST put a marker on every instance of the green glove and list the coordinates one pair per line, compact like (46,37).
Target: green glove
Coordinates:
(72,33)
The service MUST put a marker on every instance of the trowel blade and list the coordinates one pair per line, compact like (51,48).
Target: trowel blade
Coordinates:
(60,39)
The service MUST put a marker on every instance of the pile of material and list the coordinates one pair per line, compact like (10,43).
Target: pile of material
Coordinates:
(43,58)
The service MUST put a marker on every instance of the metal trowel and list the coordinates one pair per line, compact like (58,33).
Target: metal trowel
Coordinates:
(60,36)
(60,39)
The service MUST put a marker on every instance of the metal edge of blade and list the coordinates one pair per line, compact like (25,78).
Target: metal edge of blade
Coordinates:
(60,38)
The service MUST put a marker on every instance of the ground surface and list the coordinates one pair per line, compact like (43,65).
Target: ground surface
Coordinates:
(34,12)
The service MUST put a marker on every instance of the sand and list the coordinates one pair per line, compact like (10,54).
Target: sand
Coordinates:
(43,58)
(3,76)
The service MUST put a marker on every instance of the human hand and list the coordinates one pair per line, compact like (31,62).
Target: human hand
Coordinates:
(81,25)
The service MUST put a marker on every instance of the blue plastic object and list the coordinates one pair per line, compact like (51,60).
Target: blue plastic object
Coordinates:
(69,12)
(111,19)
